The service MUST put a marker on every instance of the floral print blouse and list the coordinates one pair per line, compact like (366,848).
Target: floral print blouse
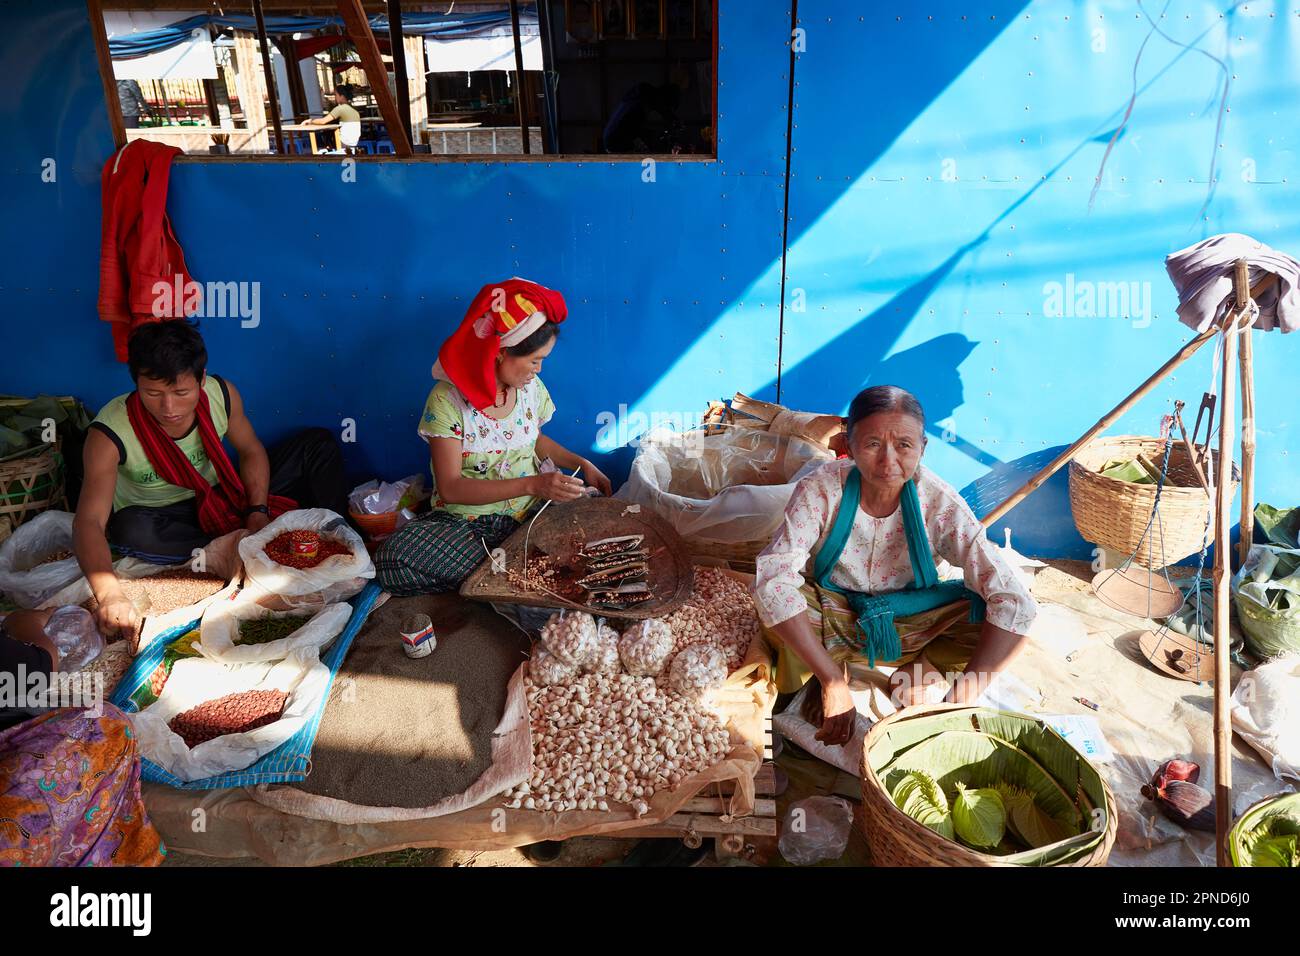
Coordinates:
(875,558)
(490,447)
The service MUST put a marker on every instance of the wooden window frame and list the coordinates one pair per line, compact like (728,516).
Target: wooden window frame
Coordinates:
(95,12)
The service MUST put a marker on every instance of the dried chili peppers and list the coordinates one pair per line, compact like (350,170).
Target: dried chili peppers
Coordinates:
(291,548)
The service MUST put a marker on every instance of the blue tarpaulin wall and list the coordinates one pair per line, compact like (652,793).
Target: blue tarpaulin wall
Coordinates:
(940,171)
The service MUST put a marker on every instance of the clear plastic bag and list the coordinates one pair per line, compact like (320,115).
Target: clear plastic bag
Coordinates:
(23,579)
(73,631)
(729,488)
(815,829)
(645,647)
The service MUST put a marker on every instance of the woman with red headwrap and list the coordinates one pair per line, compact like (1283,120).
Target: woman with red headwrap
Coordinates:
(483,422)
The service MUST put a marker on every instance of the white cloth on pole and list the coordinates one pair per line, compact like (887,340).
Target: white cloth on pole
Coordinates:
(1203,276)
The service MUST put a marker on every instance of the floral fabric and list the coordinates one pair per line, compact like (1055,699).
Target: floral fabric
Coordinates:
(490,448)
(70,793)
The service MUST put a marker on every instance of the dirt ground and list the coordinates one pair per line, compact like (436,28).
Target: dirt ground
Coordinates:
(1064,583)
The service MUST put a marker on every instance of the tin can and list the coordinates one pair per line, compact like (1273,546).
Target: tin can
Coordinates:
(418,639)
(307,544)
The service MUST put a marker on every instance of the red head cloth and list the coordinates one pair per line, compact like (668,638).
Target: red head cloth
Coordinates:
(501,315)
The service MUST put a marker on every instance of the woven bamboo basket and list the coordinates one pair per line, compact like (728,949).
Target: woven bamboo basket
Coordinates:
(896,839)
(739,556)
(30,484)
(1114,513)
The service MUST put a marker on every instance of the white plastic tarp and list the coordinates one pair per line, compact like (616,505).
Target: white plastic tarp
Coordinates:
(191,60)
(492,48)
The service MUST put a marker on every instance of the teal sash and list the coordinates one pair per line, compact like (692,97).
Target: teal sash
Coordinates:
(876,612)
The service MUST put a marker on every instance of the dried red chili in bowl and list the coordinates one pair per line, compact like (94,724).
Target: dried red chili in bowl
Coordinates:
(285,548)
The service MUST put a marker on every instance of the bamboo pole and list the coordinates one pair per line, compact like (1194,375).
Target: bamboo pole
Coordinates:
(1223,570)
(1247,530)
(1179,357)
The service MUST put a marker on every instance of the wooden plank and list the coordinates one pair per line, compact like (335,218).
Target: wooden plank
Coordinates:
(414,47)
(762,808)
(251,86)
(680,824)
(358,27)
(573,158)
(96,12)
(764,782)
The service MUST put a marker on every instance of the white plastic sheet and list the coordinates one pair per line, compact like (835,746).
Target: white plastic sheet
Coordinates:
(196,680)
(1266,713)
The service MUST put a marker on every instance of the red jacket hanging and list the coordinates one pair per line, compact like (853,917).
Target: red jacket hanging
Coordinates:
(138,249)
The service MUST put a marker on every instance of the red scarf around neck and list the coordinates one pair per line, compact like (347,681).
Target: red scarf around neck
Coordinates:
(221,506)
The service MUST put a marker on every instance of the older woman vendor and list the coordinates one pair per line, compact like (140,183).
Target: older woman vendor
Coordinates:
(483,422)
(865,531)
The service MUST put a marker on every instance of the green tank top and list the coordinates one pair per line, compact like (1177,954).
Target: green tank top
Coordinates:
(137,482)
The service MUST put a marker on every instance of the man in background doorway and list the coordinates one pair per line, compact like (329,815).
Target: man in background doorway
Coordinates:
(134,105)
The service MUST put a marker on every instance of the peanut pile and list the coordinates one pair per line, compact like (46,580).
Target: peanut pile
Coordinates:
(232,714)
(604,739)
(720,612)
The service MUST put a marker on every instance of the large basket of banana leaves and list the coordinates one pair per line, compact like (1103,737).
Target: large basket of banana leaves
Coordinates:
(1268,834)
(953,785)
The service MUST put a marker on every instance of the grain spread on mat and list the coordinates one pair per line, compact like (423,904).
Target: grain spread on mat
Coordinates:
(403,732)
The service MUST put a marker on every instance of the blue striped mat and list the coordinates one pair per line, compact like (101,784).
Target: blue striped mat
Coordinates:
(288,762)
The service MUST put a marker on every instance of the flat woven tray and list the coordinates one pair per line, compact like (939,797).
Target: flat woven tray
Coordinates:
(671,576)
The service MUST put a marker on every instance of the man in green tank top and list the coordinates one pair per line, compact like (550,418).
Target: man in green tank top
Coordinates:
(125,505)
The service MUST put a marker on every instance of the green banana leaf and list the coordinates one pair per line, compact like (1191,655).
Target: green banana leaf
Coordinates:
(906,744)
(980,760)
(1280,525)
(1264,835)
(1063,762)
(918,795)
(1129,471)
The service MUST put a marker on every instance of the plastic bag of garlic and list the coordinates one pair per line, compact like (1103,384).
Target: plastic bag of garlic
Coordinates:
(573,637)
(605,738)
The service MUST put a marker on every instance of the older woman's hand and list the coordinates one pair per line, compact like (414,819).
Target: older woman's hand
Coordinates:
(838,713)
